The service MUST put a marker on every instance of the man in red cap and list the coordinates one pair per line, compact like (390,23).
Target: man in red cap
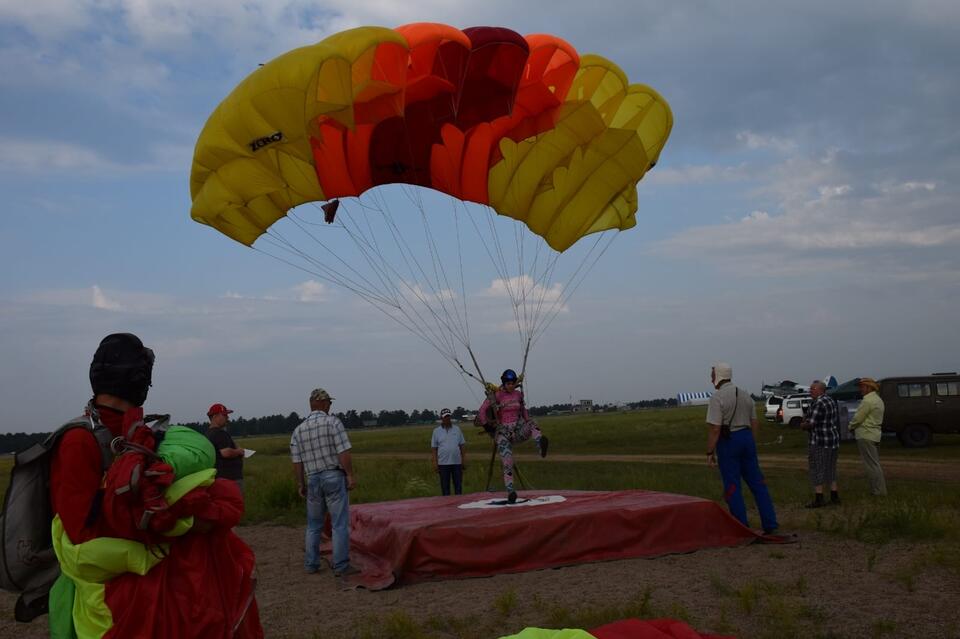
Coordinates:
(229,456)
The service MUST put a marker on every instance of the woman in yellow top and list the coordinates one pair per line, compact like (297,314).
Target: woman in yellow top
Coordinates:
(866,425)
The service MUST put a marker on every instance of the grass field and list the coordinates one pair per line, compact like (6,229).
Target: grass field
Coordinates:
(667,447)
(394,463)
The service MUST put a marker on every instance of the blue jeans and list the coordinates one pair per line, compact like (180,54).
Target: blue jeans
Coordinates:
(327,491)
(737,457)
(448,472)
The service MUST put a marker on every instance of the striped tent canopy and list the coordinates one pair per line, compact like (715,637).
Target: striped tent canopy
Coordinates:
(694,399)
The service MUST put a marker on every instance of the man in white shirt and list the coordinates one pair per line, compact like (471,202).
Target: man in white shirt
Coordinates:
(449,458)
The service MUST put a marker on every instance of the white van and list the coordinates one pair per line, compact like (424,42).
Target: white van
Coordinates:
(793,408)
(772,405)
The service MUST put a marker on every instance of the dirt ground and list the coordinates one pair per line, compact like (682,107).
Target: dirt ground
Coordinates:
(819,587)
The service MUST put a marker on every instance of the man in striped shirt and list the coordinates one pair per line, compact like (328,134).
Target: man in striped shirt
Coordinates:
(822,424)
(320,451)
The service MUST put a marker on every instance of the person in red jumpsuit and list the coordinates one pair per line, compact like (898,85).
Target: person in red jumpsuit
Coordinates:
(204,587)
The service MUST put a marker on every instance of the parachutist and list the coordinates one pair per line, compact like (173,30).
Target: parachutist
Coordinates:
(504,408)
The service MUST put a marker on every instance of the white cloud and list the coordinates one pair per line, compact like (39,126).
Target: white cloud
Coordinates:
(696,174)
(832,216)
(756,216)
(522,288)
(756,141)
(48,18)
(42,156)
(23,155)
(101,301)
(311,291)
(129,302)
(906,187)
(830,192)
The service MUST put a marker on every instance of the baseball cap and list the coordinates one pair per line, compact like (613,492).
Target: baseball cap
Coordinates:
(218,409)
(318,395)
(723,371)
(446,412)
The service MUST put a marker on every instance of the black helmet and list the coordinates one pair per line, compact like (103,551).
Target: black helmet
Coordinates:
(509,375)
(122,366)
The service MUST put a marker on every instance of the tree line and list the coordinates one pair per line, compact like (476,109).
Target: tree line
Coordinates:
(280,424)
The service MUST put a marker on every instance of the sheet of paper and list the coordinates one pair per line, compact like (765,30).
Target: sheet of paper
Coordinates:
(248,453)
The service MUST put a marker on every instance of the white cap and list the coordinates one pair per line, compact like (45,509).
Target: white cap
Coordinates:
(722,371)
(446,412)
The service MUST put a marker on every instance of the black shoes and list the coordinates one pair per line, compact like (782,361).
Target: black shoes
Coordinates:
(544,444)
(512,497)
(349,570)
(817,502)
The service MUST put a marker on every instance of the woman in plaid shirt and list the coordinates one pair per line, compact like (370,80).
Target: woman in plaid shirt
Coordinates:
(822,424)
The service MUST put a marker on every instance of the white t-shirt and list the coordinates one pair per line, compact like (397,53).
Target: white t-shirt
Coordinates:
(732,406)
(448,443)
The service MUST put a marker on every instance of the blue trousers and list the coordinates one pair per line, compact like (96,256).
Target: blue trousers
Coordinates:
(448,472)
(327,492)
(737,458)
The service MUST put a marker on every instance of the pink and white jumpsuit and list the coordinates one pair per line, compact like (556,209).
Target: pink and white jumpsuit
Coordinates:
(515,426)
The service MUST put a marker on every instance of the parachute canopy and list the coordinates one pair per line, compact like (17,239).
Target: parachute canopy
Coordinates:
(524,124)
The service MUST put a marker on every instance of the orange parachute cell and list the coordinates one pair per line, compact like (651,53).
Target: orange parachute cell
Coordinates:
(542,134)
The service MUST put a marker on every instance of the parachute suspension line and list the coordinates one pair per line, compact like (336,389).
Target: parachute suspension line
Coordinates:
(499,262)
(576,280)
(299,223)
(370,249)
(439,272)
(325,272)
(444,323)
(387,290)
(439,333)
(396,311)
(463,286)
(379,304)
(520,304)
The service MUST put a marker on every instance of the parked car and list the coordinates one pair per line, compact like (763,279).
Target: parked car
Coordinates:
(917,407)
(792,410)
(772,404)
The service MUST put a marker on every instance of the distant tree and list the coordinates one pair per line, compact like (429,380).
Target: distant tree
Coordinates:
(392,418)
(415,417)
(427,415)
(459,412)
(350,419)
(16,442)
(367,416)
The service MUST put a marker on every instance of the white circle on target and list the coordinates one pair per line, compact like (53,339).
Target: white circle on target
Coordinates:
(502,503)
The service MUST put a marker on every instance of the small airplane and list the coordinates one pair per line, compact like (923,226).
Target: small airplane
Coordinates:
(788,387)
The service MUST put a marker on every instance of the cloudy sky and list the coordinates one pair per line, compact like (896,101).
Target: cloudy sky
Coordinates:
(803,219)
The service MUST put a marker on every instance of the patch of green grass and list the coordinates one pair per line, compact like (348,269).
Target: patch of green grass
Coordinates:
(748,597)
(781,618)
(638,606)
(946,557)
(723,625)
(882,628)
(886,520)
(720,586)
(395,625)
(506,602)
(801,586)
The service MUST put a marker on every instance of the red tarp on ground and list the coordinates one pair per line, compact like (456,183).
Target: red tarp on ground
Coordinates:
(650,629)
(433,538)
